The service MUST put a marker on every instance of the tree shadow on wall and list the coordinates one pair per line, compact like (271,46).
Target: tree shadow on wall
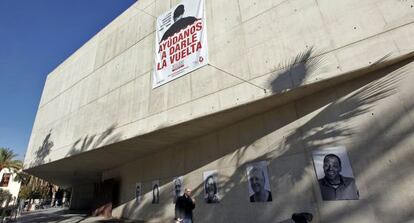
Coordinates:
(326,118)
(327,127)
(80,145)
(296,71)
(300,65)
(381,156)
(145,209)
(90,142)
(332,125)
(43,151)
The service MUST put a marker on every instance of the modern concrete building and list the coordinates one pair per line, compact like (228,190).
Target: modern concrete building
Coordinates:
(284,78)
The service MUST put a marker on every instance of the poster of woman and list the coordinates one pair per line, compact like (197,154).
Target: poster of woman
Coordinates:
(211,194)
(177,187)
(138,189)
(155,192)
(259,186)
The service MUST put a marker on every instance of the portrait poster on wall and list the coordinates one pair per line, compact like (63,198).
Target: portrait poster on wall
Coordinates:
(138,191)
(335,177)
(258,182)
(178,189)
(155,192)
(180,41)
(211,194)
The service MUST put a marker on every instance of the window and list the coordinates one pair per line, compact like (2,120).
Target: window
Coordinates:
(5,180)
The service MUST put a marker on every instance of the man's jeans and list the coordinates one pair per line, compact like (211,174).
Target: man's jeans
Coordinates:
(187,220)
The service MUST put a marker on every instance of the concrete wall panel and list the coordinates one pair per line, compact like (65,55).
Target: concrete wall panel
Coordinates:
(379,146)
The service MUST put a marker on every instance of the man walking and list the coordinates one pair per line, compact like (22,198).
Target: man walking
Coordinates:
(184,207)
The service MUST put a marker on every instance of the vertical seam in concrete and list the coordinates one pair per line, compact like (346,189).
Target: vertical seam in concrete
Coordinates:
(307,157)
(240,12)
(191,89)
(331,43)
(244,40)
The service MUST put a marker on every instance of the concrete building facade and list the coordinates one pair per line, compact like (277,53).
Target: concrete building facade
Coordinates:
(284,78)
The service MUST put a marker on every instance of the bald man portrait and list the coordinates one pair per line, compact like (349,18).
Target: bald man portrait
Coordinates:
(333,185)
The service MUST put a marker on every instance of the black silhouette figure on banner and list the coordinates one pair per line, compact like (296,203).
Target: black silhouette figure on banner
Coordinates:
(334,186)
(179,22)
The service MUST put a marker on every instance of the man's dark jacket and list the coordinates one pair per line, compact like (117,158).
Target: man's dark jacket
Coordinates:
(346,189)
(184,207)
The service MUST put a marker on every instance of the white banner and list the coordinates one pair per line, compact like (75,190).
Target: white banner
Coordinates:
(180,42)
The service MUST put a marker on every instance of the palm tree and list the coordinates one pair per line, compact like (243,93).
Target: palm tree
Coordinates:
(7,160)
(22,177)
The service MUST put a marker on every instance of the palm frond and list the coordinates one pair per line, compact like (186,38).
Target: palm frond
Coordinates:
(7,160)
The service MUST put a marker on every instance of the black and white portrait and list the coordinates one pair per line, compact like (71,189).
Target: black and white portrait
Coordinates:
(335,176)
(138,189)
(210,187)
(177,187)
(156,192)
(258,181)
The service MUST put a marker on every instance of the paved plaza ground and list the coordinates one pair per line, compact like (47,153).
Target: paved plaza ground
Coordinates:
(60,215)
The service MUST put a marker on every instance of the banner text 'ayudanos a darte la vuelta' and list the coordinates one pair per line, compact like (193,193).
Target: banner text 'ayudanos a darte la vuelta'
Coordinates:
(180,41)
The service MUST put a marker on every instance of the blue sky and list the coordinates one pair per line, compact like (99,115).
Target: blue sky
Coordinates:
(35,37)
